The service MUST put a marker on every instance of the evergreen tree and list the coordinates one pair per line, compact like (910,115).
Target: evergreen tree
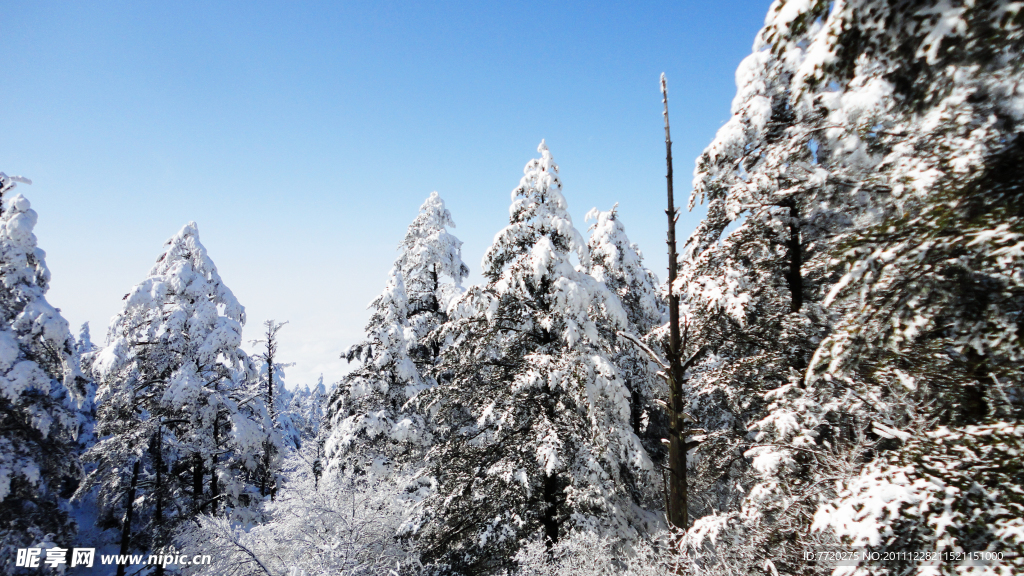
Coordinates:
(41,391)
(430,255)
(377,422)
(617,262)
(532,415)
(175,416)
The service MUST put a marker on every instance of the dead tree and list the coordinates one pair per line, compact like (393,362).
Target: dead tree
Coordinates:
(675,371)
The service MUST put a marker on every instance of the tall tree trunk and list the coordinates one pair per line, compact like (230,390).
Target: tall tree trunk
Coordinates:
(159,520)
(265,483)
(126,529)
(553,497)
(678,513)
(214,488)
(635,407)
(795,254)
(197,480)
(549,518)
(158,458)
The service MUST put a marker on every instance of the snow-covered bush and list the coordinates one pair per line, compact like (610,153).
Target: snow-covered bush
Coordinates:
(587,554)
(948,492)
(334,525)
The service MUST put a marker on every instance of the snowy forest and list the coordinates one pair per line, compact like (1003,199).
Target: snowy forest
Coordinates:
(837,391)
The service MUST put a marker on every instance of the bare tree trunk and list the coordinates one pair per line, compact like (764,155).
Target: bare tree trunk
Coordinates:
(796,259)
(549,518)
(553,497)
(197,480)
(126,530)
(159,462)
(214,489)
(271,349)
(678,513)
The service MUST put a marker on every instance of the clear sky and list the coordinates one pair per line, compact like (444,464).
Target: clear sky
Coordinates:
(302,137)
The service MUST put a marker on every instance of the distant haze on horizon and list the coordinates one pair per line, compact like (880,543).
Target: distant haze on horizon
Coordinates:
(303,139)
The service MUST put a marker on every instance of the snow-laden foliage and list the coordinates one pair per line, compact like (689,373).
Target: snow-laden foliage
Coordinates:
(175,397)
(314,528)
(948,492)
(618,263)
(429,255)
(532,416)
(307,410)
(86,351)
(41,391)
(587,554)
(858,273)
(377,422)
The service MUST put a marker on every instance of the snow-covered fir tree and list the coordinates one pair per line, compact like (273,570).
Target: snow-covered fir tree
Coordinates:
(618,263)
(857,279)
(377,422)
(181,431)
(86,351)
(41,391)
(532,416)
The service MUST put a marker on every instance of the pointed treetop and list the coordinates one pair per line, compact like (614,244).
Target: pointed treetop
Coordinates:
(538,211)
(428,250)
(618,263)
(183,289)
(541,176)
(182,264)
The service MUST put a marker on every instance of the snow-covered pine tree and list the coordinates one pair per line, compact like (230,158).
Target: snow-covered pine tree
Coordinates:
(41,390)
(86,351)
(618,263)
(84,344)
(376,421)
(753,276)
(533,416)
(880,133)
(176,419)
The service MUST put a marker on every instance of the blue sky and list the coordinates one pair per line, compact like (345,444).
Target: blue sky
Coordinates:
(303,138)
